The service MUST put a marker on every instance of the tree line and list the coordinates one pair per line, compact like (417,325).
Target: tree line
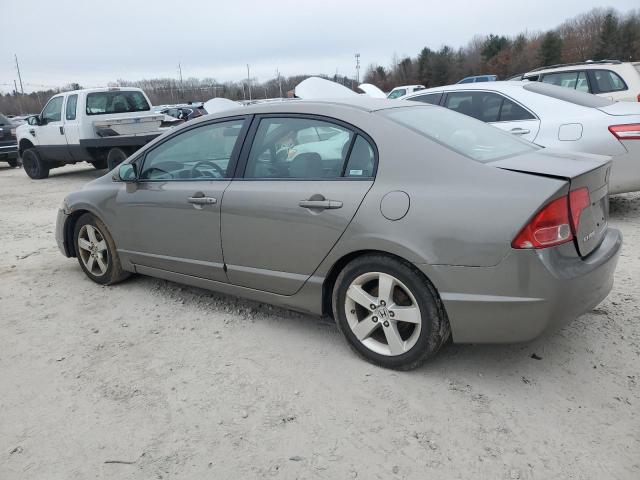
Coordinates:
(600,34)
(595,35)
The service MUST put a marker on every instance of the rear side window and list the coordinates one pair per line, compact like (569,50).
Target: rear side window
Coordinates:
(484,106)
(397,93)
(361,160)
(473,139)
(566,79)
(512,112)
(298,148)
(72,103)
(116,101)
(432,98)
(607,81)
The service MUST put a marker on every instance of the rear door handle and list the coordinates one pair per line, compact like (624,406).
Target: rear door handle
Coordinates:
(61,130)
(320,204)
(520,131)
(202,200)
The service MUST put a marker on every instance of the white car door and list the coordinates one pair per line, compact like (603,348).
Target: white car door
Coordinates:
(494,108)
(72,126)
(52,143)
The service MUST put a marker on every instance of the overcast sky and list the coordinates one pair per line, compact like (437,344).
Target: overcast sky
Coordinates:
(93,43)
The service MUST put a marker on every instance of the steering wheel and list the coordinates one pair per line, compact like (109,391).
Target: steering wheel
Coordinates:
(216,167)
(148,173)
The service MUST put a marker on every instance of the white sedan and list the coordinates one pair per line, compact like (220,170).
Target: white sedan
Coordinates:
(553,117)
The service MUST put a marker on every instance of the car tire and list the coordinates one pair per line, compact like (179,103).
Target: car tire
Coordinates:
(13,163)
(96,251)
(404,323)
(100,164)
(33,165)
(115,157)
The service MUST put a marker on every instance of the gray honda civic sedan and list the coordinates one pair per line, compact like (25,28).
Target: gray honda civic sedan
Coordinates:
(410,224)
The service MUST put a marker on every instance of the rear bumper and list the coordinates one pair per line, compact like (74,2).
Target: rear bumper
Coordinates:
(528,293)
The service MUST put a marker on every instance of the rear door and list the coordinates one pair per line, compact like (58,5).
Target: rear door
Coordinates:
(497,109)
(72,127)
(301,180)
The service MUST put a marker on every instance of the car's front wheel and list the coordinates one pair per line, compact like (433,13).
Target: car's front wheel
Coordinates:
(389,312)
(96,251)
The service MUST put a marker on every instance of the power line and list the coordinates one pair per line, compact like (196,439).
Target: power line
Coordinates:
(19,76)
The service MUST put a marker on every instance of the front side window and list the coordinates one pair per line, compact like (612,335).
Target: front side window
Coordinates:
(290,148)
(116,101)
(53,110)
(432,98)
(608,81)
(202,153)
(398,93)
(473,139)
(72,102)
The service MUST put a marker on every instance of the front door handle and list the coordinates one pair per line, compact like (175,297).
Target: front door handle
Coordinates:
(320,204)
(520,131)
(202,200)
(61,130)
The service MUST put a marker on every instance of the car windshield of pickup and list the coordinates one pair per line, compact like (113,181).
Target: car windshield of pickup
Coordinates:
(118,101)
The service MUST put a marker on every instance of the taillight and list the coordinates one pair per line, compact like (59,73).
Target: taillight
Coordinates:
(549,227)
(578,201)
(630,131)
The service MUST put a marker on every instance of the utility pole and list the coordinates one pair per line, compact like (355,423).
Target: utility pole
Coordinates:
(248,81)
(279,82)
(181,85)
(19,76)
(358,68)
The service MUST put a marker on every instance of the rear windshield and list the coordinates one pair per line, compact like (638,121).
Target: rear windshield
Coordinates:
(568,95)
(463,134)
(118,101)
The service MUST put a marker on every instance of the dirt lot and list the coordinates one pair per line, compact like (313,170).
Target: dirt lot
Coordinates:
(149,379)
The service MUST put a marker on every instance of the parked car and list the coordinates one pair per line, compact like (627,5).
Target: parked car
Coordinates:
(185,113)
(101,126)
(425,224)
(554,117)
(404,90)
(611,79)
(479,78)
(8,144)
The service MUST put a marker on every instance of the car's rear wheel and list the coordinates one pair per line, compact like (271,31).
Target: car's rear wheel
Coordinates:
(115,157)
(33,165)
(96,251)
(389,312)
(13,162)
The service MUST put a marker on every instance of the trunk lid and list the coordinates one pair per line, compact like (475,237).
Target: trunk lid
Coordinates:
(580,170)
(622,108)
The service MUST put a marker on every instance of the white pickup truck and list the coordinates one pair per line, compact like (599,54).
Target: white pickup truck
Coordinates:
(102,126)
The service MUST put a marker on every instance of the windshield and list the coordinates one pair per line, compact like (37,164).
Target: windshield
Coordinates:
(117,101)
(463,134)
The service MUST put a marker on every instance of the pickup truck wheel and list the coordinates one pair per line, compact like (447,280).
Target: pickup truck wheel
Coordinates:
(13,162)
(96,251)
(33,165)
(99,164)
(115,157)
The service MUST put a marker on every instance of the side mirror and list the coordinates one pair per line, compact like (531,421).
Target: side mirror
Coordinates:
(127,172)
(33,120)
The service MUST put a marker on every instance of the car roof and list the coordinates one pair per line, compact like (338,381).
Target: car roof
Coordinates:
(102,89)
(500,85)
(601,65)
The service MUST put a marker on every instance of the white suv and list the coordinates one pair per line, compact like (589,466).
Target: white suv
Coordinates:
(611,79)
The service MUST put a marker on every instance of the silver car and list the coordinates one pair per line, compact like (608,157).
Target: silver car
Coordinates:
(410,224)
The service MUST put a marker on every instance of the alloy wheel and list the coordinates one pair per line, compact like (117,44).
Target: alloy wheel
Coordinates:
(92,248)
(383,314)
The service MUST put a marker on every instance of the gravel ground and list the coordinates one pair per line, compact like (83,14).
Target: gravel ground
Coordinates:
(149,379)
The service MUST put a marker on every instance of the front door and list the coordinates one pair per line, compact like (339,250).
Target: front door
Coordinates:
(169,218)
(51,140)
(303,181)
